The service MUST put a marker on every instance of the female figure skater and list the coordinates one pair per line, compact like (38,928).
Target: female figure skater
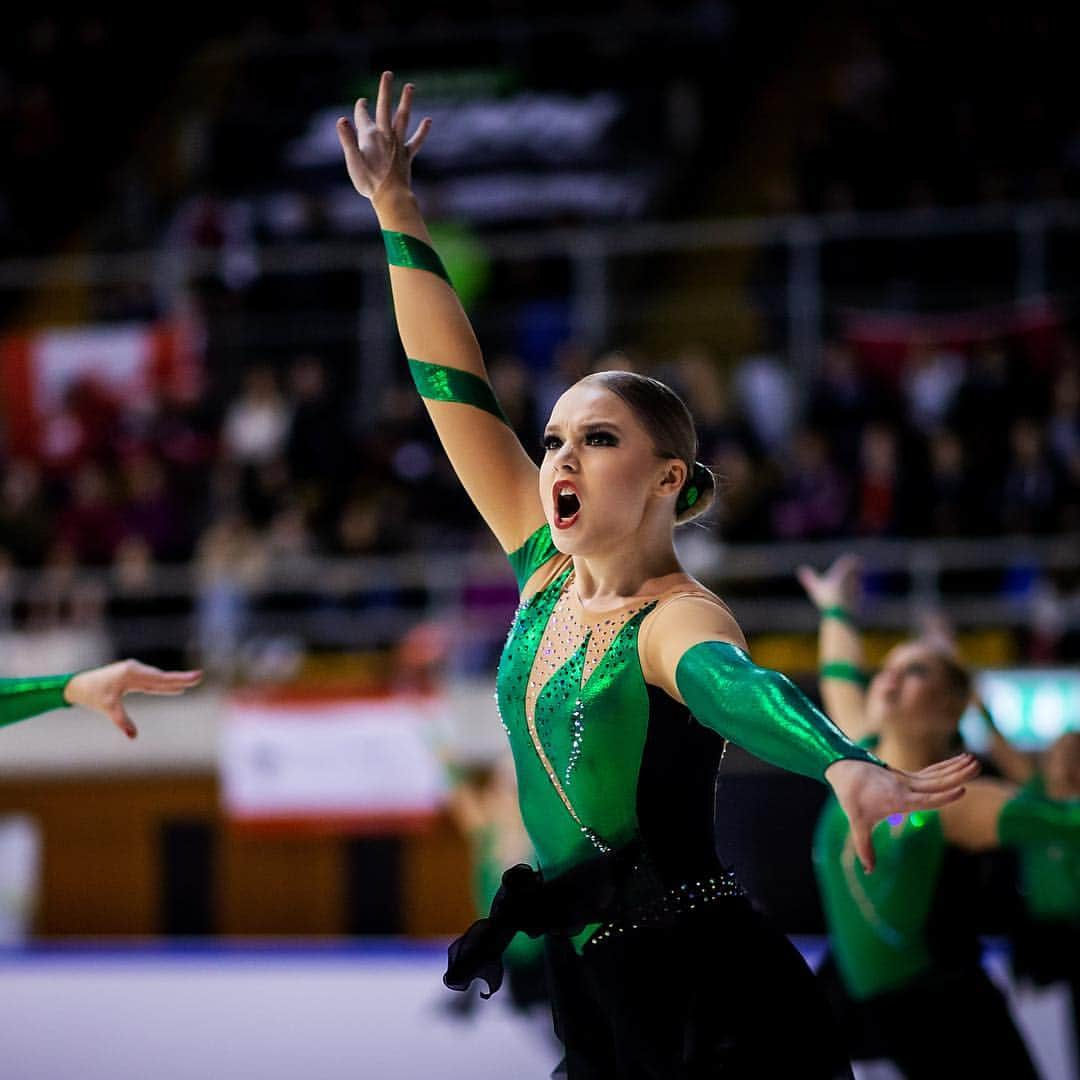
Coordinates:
(100,689)
(620,679)
(903,939)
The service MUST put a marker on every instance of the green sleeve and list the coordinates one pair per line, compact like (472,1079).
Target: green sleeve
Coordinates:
(441,383)
(761,710)
(1027,819)
(23,698)
(844,672)
(438,382)
(536,551)
(411,252)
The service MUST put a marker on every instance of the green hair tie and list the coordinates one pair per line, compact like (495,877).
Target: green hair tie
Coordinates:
(692,491)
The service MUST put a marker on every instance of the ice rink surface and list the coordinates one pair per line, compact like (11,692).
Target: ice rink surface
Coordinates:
(303,1012)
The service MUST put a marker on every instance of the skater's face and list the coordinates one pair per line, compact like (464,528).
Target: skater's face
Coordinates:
(602,482)
(912,693)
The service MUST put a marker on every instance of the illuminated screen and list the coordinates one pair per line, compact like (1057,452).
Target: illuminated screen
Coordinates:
(1031,707)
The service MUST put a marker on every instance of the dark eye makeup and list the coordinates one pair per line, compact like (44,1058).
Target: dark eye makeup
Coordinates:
(593,437)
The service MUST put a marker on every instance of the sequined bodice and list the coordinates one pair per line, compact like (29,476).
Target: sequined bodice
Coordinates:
(575,706)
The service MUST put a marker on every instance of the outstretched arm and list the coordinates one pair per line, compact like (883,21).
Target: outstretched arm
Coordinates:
(100,689)
(444,357)
(841,665)
(692,648)
(995,813)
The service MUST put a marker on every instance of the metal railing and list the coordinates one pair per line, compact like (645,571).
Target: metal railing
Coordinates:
(1041,247)
(370,603)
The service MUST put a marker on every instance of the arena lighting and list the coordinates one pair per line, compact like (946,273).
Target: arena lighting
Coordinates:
(1031,707)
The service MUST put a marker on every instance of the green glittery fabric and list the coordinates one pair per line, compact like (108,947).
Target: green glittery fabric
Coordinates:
(1050,868)
(528,558)
(405,250)
(23,698)
(760,710)
(441,383)
(878,922)
(591,734)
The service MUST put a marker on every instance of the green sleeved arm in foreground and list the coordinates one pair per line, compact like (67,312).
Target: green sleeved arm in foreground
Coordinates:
(23,698)
(1028,819)
(762,711)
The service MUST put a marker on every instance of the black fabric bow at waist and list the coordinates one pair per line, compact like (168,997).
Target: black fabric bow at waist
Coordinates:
(527,903)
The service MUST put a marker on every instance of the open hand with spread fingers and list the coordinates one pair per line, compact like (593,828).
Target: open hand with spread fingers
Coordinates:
(378,154)
(839,586)
(103,688)
(869,793)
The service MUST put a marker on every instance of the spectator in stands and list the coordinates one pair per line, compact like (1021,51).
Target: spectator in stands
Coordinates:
(745,486)
(697,376)
(1063,438)
(513,385)
(92,524)
(256,423)
(932,377)
(951,509)
(840,398)
(879,485)
(229,563)
(149,510)
(366,528)
(766,394)
(25,525)
(1030,488)
(814,499)
(82,428)
(317,442)
(981,415)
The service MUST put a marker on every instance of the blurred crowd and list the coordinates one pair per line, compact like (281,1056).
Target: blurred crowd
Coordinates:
(954,445)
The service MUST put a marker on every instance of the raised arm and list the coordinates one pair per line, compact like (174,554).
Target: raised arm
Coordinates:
(692,648)
(443,354)
(841,666)
(1015,764)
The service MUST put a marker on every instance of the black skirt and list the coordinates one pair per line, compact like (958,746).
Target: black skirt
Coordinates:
(947,1022)
(717,992)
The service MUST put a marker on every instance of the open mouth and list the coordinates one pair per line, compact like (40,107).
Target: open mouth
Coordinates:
(567,505)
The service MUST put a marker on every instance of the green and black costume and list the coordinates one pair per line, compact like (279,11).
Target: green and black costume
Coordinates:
(660,967)
(905,970)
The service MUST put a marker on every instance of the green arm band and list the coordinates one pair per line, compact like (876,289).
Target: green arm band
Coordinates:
(405,250)
(1030,820)
(761,710)
(536,551)
(844,672)
(440,383)
(841,614)
(23,698)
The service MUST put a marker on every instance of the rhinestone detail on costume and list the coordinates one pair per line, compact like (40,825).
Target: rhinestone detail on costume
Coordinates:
(688,896)
(569,653)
